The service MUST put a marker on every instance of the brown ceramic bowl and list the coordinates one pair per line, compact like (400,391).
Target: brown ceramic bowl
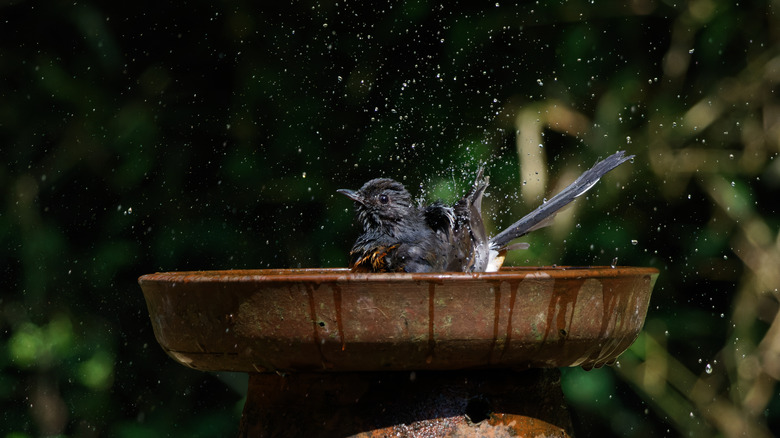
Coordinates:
(335,320)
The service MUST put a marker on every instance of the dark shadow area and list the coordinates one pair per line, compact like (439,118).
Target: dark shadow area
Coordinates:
(508,403)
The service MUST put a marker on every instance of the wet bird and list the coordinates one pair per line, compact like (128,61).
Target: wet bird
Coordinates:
(399,236)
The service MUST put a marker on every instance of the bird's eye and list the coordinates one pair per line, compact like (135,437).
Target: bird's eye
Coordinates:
(383,199)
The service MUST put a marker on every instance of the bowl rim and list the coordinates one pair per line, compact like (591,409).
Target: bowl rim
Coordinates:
(342,275)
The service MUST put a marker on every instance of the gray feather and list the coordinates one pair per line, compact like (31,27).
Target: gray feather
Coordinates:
(545,213)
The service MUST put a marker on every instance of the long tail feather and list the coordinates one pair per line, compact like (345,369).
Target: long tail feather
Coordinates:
(543,215)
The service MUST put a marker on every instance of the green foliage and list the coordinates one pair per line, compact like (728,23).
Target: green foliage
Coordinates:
(43,346)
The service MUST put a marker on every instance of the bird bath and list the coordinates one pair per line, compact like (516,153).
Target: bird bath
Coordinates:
(336,353)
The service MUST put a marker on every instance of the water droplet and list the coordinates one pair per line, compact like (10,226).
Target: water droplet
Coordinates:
(614,263)
(691,51)
(634,241)
(708,369)
(733,184)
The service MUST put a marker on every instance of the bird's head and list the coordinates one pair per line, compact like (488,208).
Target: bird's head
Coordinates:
(381,203)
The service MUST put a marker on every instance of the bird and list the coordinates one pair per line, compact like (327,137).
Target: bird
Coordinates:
(400,236)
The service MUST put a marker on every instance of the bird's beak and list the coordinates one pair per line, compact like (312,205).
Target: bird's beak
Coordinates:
(351,194)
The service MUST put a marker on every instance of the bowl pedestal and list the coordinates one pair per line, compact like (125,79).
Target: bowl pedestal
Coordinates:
(478,403)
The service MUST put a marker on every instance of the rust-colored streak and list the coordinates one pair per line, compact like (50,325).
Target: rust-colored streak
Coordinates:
(610,305)
(558,308)
(431,338)
(339,319)
(616,318)
(513,285)
(314,324)
(496,288)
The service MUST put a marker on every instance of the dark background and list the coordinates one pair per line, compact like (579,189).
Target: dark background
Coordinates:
(148,136)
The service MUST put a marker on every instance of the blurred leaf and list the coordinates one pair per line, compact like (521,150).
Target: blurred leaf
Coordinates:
(97,372)
(42,346)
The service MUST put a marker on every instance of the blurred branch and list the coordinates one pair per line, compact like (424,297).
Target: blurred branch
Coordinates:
(677,392)
(734,394)
(673,158)
(530,122)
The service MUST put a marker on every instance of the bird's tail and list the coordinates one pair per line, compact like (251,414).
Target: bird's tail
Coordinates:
(545,213)
(478,241)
